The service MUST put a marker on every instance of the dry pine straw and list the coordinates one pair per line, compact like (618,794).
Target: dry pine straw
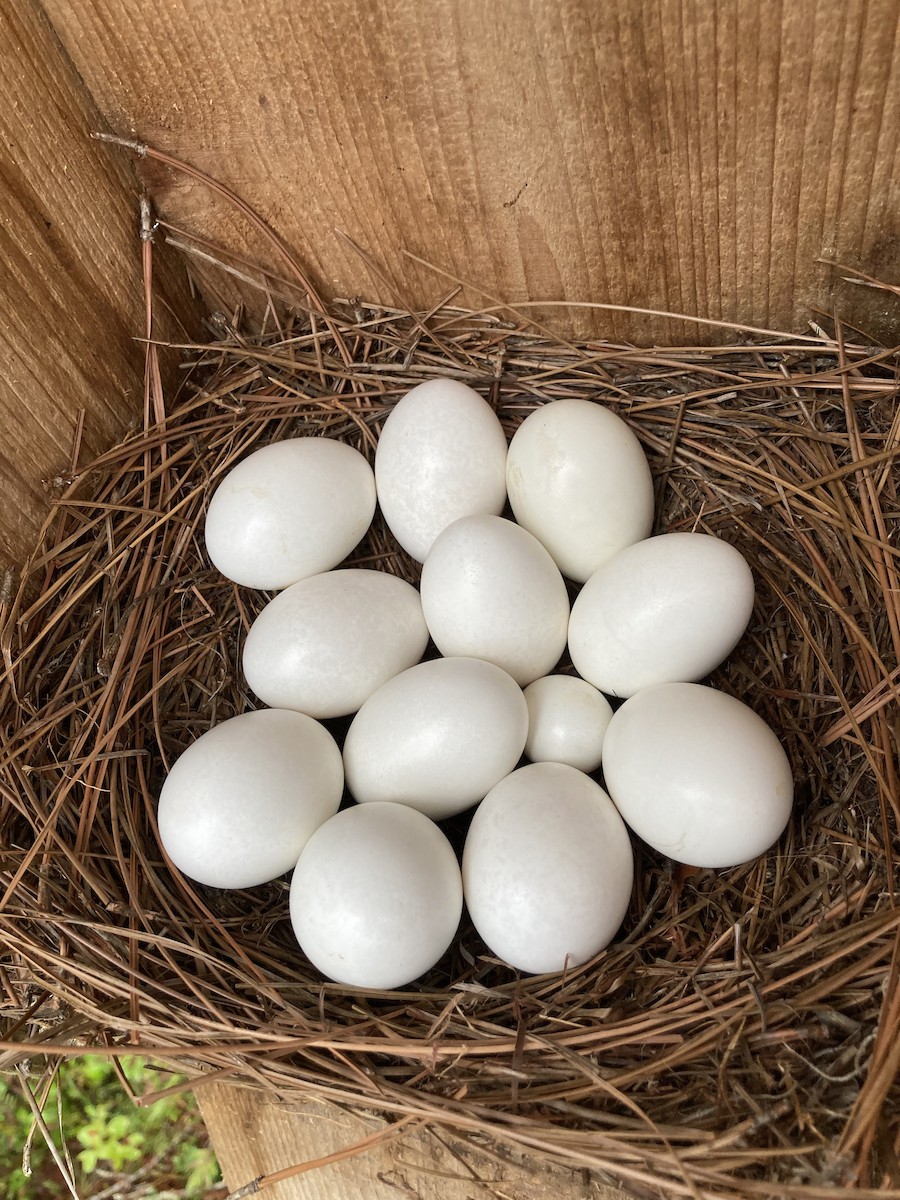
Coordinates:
(740,1038)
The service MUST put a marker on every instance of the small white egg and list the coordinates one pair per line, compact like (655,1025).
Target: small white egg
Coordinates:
(325,644)
(291,509)
(241,802)
(441,456)
(567,720)
(665,610)
(697,774)
(547,868)
(578,480)
(376,896)
(490,590)
(436,737)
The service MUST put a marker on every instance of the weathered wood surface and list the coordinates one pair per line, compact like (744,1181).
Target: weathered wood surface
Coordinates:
(70,276)
(694,155)
(254,1136)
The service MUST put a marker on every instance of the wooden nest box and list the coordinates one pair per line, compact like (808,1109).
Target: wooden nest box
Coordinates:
(617,163)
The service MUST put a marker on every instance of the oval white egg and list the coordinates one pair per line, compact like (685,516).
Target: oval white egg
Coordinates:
(325,644)
(376,896)
(697,774)
(547,868)
(441,455)
(567,720)
(436,737)
(665,610)
(241,802)
(578,480)
(490,590)
(289,510)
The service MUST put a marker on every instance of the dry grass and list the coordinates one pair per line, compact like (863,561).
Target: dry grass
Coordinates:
(740,1039)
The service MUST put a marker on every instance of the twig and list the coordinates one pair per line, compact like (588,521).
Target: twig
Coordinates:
(367,1143)
(143,150)
(45,1132)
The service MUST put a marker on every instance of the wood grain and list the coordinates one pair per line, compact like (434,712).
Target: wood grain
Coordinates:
(70,282)
(255,1136)
(695,155)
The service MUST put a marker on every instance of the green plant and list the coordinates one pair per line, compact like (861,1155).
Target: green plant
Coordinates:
(155,1152)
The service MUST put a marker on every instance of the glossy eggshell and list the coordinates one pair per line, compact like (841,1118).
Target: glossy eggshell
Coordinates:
(697,774)
(441,455)
(436,737)
(376,896)
(567,720)
(547,868)
(579,481)
(241,802)
(289,510)
(665,610)
(325,644)
(490,590)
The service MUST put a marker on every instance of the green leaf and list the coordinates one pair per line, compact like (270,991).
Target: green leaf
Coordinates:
(88,1160)
(88,1135)
(119,1155)
(119,1125)
(203,1173)
(96,1069)
(103,1127)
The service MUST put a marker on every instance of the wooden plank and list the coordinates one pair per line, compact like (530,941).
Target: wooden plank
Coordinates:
(691,155)
(254,1136)
(70,285)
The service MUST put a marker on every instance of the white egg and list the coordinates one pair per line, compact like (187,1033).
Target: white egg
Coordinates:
(441,456)
(578,480)
(547,868)
(437,737)
(289,510)
(490,590)
(567,720)
(325,644)
(376,896)
(665,610)
(240,803)
(697,774)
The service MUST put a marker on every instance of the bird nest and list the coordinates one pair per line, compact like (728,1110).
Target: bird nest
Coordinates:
(739,1038)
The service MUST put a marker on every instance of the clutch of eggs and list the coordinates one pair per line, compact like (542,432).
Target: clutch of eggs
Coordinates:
(547,866)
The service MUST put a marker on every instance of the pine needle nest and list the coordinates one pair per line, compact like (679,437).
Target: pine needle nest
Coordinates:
(740,1038)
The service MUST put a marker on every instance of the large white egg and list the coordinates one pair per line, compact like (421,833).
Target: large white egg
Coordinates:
(436,737)
(376,896)
(289,510)
(578,480)
(490,590)
(547,868)
(697,774)
(665,610)
(567,720)
(441,456)
(325,644)
(242,801)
